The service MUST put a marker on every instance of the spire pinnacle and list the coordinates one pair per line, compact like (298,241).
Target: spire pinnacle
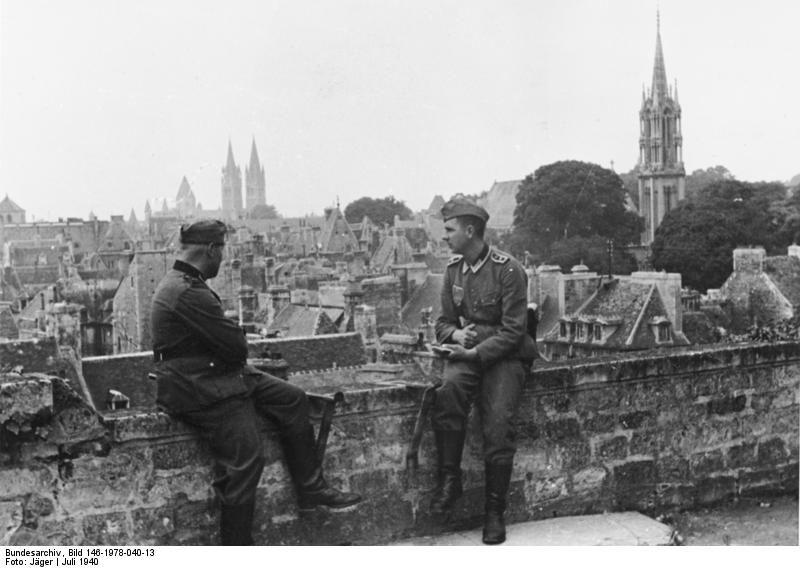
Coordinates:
(659,90)
(231,165)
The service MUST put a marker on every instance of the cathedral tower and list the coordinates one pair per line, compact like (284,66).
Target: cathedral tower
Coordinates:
(662,178)
(256,190)
(231,187)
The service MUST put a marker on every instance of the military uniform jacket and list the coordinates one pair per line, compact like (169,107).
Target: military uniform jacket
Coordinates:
(493,295)
(203,351)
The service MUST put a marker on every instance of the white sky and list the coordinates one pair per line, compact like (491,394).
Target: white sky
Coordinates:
(106,103)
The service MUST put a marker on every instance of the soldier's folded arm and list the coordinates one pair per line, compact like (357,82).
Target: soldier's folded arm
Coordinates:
(203,314)
(511,333)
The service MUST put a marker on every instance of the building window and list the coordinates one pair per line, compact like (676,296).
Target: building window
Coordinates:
(580,331)
(563,329)
(664,333)
(598,332)
(572,328)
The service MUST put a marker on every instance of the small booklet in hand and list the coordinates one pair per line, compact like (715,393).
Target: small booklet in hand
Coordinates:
(442,350)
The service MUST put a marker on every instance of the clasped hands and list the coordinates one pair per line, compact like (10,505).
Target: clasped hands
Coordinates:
(463,344)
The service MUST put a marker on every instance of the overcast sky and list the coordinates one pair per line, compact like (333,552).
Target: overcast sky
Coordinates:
(105,104)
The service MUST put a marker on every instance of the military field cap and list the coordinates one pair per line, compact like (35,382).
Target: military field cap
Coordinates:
(459,206)
(203,232)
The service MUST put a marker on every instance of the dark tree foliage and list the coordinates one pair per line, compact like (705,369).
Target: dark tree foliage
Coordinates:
(263,211)
(380,210)
(571,199)
(697,238)
(698,180)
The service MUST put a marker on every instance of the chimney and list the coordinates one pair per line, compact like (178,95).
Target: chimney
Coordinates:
(749,260)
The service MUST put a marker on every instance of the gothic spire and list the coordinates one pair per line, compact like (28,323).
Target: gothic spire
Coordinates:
(231,165)
(255,165)
(659,88)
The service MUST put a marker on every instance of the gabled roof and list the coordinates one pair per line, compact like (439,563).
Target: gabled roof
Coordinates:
(336,233)
(427,295)
(299,321)
(386,255)
(500,201)
(784,271)
(8,206)
(631,305)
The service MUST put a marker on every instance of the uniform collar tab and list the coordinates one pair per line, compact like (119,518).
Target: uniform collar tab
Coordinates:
(188,269)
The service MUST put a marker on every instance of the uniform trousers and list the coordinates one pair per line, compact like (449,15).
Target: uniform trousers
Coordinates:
(497,391)
(233,430)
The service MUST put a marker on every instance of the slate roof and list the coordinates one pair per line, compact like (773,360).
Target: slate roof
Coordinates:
(298,321)
(427,295)
(8,206)
(500,201)
(633,304)
(385,255)
(784,271)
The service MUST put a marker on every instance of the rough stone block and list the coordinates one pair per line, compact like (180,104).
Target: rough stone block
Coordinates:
(24,399)
(19,481)
(715,489)
(634,484)
(615,448)
(563,429)
(108,529)
(703,464)
(599,423)
(741,455)
(187,453)
(153,526)
(727,405)
(771,450)
(672,469)
(591,480)
(635,420)
(10,520)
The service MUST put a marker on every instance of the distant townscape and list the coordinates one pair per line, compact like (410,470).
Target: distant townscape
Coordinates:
(624,269)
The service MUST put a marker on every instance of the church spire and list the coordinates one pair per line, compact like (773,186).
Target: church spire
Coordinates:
(255,164)
(231,165)
(659,88)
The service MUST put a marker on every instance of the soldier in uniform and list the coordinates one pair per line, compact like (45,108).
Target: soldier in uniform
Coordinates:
(484,323)
(204,381)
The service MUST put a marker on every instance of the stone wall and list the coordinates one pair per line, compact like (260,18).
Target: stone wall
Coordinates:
(128,373)
(649,433)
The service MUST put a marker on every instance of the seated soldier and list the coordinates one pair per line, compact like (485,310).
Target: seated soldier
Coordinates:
(203,380)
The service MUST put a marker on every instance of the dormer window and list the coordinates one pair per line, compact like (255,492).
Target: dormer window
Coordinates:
(661,329)
(563,329)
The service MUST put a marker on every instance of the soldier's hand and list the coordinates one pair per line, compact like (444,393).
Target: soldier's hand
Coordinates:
(466,337)
(460,353)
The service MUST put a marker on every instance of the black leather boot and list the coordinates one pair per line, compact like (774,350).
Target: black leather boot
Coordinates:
(236,524)
(449,446)
(498,478)
(312,489)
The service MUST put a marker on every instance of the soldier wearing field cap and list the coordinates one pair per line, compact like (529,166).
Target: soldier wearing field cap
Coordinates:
(203,380)
(484,323)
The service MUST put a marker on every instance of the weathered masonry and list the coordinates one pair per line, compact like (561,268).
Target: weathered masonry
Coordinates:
(648,433)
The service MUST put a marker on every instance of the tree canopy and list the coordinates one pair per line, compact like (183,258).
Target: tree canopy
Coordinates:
(380,210)
(263,211)
(570,199)
(698,237)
